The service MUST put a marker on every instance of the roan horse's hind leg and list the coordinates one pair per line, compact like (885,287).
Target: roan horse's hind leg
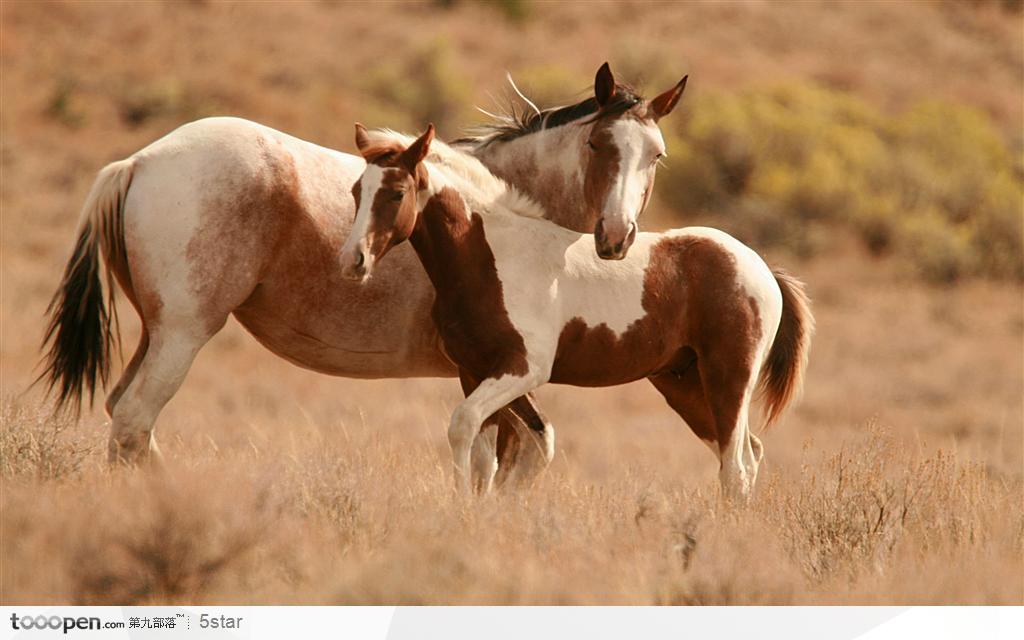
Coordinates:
(151,379)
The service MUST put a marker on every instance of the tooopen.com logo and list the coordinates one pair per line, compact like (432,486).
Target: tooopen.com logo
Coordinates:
(52,623)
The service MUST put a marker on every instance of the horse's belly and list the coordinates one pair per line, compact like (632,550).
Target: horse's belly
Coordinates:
(599,357)
(338,352)
(380,329)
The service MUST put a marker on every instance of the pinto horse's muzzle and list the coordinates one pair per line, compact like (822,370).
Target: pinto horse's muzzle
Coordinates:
(355,265)
(613,246)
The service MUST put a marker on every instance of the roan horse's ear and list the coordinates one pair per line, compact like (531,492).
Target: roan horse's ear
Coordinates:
(664,103)
(362,138)
(604,85)
(418,149)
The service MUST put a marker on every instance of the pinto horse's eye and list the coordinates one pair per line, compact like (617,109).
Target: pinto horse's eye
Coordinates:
(397,196)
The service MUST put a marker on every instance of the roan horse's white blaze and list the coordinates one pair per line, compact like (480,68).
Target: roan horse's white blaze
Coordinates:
(521,302)
(608,157)
(640,146)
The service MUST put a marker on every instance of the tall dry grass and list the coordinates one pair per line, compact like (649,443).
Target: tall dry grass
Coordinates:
(362,517)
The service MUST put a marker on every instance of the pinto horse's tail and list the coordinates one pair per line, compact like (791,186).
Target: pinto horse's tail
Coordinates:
(82,326)
(782,375)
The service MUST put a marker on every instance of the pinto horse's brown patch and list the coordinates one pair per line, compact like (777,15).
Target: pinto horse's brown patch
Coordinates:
(696,342)
(692,307)
(469,310)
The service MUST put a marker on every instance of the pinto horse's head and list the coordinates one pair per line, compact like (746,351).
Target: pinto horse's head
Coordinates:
(385,198)
(623,146)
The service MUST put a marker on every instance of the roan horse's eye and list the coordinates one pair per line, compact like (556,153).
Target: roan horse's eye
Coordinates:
(590,143)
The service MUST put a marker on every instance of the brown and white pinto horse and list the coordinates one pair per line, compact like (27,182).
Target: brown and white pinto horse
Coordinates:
(225,216)
(521,302)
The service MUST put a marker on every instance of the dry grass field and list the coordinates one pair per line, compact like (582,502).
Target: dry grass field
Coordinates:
(899,478)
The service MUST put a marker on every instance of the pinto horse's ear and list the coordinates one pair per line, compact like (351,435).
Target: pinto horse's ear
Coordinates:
(418,149)
(664,103)
(362,138)
(604,85)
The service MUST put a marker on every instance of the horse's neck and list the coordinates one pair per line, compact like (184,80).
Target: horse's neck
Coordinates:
(546,166)
(450,243)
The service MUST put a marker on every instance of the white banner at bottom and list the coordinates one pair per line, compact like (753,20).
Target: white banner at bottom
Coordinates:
(513,623)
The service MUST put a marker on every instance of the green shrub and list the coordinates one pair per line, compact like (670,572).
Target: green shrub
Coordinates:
(163,97)
(61,105)
(422,88)
(936,185)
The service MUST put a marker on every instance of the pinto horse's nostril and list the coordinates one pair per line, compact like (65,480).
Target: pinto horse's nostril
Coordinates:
(354,265)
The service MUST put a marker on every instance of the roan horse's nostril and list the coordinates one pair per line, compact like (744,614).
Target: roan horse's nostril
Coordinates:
(618,250)
(360,259)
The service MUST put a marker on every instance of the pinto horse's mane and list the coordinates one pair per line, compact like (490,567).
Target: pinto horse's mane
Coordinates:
(482,190)
(513,124)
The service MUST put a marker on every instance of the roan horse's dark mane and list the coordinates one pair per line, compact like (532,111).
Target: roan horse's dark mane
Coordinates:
(516,125)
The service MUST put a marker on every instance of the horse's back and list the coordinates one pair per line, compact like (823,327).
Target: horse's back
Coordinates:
(210,201)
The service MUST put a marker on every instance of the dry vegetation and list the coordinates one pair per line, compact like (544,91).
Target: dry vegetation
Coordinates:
(898,479)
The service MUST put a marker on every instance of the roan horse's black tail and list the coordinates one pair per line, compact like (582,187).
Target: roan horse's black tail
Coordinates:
(82,326)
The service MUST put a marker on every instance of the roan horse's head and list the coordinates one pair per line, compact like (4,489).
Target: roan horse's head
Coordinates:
(622,152)
(590,164)
(385,201)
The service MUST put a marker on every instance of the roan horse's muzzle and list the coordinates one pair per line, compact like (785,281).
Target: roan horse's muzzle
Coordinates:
(613,246)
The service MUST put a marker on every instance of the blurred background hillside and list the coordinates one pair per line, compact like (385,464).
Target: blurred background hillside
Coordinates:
(875,149)
(897,124)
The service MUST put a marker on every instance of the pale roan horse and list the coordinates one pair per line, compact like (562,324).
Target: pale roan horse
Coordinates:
(522,302)
(225,216)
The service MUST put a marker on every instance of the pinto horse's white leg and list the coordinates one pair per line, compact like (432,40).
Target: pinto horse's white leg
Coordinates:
(485,458)
(685,392)
(739,463)
(491,395)
(156,379)
(529,448)
(739,451)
